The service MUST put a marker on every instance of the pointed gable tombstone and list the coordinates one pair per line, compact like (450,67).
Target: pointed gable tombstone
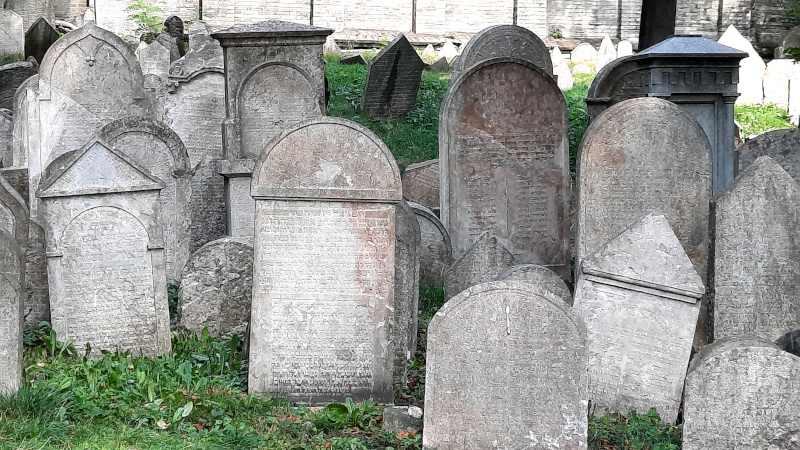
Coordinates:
(757,254)
(639,296)
(606,54)
(105,252)
(13,239)
(509,41)
(481,263)
(495,381)
(393,78)
(38,39)
(751,69)
(324,275)
(783,146)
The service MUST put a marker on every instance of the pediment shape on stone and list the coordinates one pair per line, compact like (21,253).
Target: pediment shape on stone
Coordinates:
(399,44)
(97,168)
(763,174)
(14,214)
(647,254)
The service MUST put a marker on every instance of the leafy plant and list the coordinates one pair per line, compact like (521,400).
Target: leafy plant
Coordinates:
(352,414)
(632,431)
(146,16)
(556,32)
(758,119)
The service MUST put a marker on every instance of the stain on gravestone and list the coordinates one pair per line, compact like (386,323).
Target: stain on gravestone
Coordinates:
(323,293)
(406,288)
(393,78)
(639,296)
(12,293)
(756,255)
(481,263)
(504,163)
(742,392)
(102,221)
(540,277)
(12,33)
(436,253)
(421,183)
(483,354)
(217,288)
(38,39)
(508,41)
(11,77)
(783,146)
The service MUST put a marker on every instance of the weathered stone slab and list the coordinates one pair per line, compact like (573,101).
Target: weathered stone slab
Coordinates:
(757,254)
(448,50)
(440,65)
(11,77)
(639,297)
(6,138)
(606,54)
(741,392)
(105,256)
(751,69)
(776,82)
(352,59)
(783,146)
(13,227)
(171,44)
(429,51)
(154,59)
(421,183)
(31,10)
(173,26)
(561,70)
(657,21)
(504,163)
(12,33)
(483,262)
(323,331)
(331,47)
(483,354)
(217,288)
(509,41)
(38,39)
(436,252)
(539,276)
(393,78)
(584,52)
(406,288)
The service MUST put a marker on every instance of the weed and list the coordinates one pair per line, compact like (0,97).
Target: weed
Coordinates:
(758,119)
(11,58)
(146,16)
(632,431)
(352,414)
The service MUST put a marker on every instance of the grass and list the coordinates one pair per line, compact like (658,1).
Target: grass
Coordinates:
(758,119)
(11,58)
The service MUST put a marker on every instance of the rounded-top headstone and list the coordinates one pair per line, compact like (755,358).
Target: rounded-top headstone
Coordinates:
(435,252)
(510,41)
(540,277)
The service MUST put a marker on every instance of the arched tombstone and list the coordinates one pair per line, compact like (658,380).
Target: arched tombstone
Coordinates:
(30,10)
(12,33)
(323,294)
(495,380)
(539,276)
(436,252)
(510,41)
(504,162)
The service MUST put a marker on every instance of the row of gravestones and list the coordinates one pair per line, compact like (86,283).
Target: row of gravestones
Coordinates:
(16,40)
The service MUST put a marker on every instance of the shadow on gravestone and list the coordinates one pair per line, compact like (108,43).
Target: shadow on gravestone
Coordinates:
(6,138)
(11,77)
(38,39)
(393,78)
(790,342)
(510,41)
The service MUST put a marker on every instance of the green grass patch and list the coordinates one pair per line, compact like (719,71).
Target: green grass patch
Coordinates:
(758,119)
(11,58)
(578,115)
(632,432)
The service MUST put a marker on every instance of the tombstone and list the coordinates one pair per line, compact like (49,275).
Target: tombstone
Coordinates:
(448,50)
(441,65)
(331,47)
(436,252)
(483,262)
(751,68)
(171,44)
(757,254)
(393,78)
(274,77)
(429,52)
(657,21)
(173,26)
(504,162)
(606,54)
(6,138)
(624,48)
(509,41)
(31,10)
(195,110)
(454,62)
(482,355)
(780,145)
(101,216)
(217,288)
(89,16)
(639,296)
(12,33)
(324,332)
(154,59)
(790,342)
(406,288)
(11,77)
(421,183)
(13,234)
(38,39)
(776,82)
(25,113)
(561,70)
(539,276)
(352,59)
(583,52)
(741,392)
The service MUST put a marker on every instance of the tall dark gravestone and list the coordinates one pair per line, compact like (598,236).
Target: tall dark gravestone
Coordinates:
(657,21)
(393,78)
(39,37)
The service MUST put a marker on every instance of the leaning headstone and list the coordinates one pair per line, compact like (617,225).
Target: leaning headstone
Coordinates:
(742,392)
(583,52)
(509,41)
(429,52)
(421,183)
(12,33)
(352,59)
(436,253)
(783,146)
(540,277)
(13,218)
(154,59)
(624,48)
(11,77)
(448,50)
(483,262)
(217,287)
(323,332)
(482,357)
(561,70)
(406,288)
(107,288)
(776,82)
(757,254)
(171,44)
(606,54)
(6,138)
(38,39)
(393,78)
(330,47)
(751,69)
(441,65)
(639,296)
(504,162)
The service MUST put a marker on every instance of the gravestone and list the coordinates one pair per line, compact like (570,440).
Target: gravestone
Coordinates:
(448,50)
(741,392)
(195,110)
(12,293)
(217,288)
(154,59)
(561,70)
(14,217)
(429,52)
(406,288)
(38,39)
(11,77)
(540,277)
(173,26)
(757,254)
(351,59)
(776,82)
(101,217)
(483,262)
(606,54)
(157,148)
(639,296)
(393,78)
(171,44)
(504,162)
(583,52)
(322,332)
(751,68)
(657,21)
(441,65)
(25,112)
(6,138)
(330,46)
(780,145)
(508,41)
(482,355)
(436,253)
(421,183)
(12,33)
(624,48)
(31,10)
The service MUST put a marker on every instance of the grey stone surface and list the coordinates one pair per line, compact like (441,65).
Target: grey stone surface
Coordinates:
(323,293)
(741,392)
(12,293)
(657,22)
(398,419)
(429,51)
(421,183)
(12,33)
(783,146)
(330,46)
(204,54)
(436,252)
(448,50)
(393,78)
(217,288)
(751,69)
(11,77)
(508,41)
(105,256)
(639,296)
(503,161)
(352,59)
(539,276)
(173,26)
(483,262)
(561,70)
(37,293)
(756,255)
(606,54)
(13,214)
(482,357)
(583,52)
(154,59)
(776,82)
(406,288)
(6,138)
(25,110)
(31,10)
(38,39)
(171,44)
(440,65)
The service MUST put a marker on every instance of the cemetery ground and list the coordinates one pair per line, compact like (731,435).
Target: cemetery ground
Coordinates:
(196,396)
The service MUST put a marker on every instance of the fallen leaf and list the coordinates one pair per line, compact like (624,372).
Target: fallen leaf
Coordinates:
(199,426)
